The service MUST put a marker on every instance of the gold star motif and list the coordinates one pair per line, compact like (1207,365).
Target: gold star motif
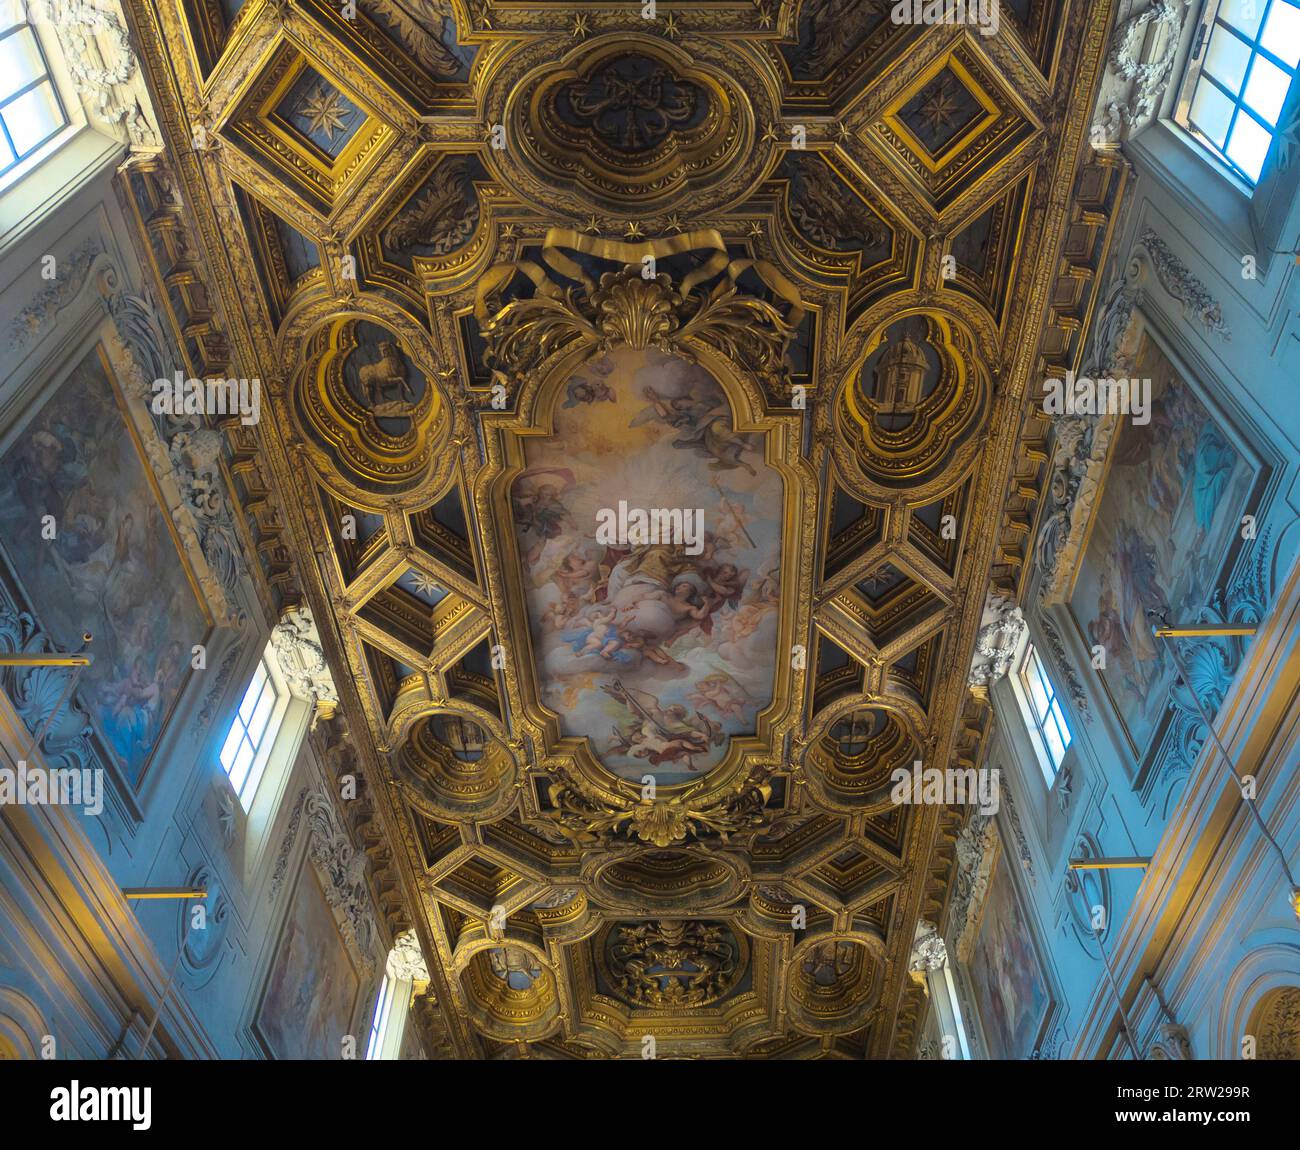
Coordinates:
(634,231)
(422,584)
(755,229)
(940,107)
(842,132)
(770,134)
(670,26)
(593,226)
(673,223)
(764,16)
(508,232)
(325,112)
(580,29)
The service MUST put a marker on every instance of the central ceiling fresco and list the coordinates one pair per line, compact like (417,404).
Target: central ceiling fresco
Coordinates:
(698,575)
(651,412)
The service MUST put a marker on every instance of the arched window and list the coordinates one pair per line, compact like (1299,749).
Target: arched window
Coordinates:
(1242,65)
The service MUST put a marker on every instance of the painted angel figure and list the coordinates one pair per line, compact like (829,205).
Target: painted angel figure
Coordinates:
(661,734)
(721,693)
(719,442)
(680,411)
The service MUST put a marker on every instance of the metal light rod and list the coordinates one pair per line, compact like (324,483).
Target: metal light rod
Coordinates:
(1183,630)
(163,892)
(28,660)
(1117,862)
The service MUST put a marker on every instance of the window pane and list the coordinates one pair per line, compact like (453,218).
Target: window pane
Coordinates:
(1055,748)
(258,723)
(1058,716)
(1248,146)
(1036,690)
(1227,59)
(253,693)
(232,741)
(1244,15)
(6,153)
(33,117)
(1282,32)
(243,760)
(1266,89)
(1211,112)
(380,1021)
(20,62)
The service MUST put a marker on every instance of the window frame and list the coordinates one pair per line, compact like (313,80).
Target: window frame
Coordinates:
(1203,35)
(382,1018)
(388,1020)
(72,118)
(265,744)
(1049,762)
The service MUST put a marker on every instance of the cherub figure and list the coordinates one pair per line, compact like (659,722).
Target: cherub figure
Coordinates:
(726,584)
(603,638)
(723,694)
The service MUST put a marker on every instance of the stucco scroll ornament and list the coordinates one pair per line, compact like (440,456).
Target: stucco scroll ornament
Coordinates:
(344,869)
(184,448)
(1171,1044)
(1212,662)
(1142,52)
(1000,629)
(302,659)
(44,308)
(406,960)
(975,855)
(1177,279)
(1018,830)
(929,952)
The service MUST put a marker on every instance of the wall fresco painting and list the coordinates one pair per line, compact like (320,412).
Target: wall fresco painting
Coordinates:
(656,651)
(113,567)
(1169,510)
(311,996)
(1010,988)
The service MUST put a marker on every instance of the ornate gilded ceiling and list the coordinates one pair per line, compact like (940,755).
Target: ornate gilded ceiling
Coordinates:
(503,266)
